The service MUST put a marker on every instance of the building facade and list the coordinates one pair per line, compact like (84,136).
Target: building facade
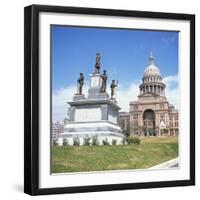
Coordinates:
(56,129)
(124,122)
(151,114)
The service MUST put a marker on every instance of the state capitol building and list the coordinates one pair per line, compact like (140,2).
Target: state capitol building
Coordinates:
(151,114)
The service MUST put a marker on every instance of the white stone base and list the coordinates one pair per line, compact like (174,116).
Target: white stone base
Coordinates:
(103,130)
(100,140)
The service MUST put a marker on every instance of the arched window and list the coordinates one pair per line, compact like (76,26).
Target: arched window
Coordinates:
(149,122)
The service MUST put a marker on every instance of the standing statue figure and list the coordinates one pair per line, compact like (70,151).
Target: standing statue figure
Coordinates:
(80,83)
(97,64)
(113,87)
(104,77)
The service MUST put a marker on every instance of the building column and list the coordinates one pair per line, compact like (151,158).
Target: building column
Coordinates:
(125,124)
(157,89)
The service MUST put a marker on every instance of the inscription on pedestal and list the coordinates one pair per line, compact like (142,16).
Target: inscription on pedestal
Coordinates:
(95,81)
(88,114)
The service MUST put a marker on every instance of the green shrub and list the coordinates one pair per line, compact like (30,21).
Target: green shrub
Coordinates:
(126,131)
(114,141)
(136,140)
(133,140)
(86,141)
(65,142)
(95,140)
(105,142)
(76,141)
(123,141)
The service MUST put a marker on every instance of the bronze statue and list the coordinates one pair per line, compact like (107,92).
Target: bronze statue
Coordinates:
(113,87)
(80,83)
(97,64)
(104,80)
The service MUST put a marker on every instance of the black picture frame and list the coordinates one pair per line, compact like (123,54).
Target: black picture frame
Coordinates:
(31,98)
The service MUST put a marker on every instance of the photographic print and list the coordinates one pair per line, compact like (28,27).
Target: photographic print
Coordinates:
(115,99)
(109,99)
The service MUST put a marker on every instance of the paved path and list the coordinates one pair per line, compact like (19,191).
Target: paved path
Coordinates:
(169,164)
(176,165)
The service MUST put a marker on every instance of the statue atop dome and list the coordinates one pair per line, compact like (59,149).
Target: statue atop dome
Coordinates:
(151,70)
(151,59)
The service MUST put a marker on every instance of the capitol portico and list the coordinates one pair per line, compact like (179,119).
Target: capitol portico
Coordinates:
(151,114)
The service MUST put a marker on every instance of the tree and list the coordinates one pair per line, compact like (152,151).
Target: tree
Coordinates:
(126,131)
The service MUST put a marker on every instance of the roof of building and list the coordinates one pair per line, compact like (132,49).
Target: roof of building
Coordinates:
(152,69)
(124,113)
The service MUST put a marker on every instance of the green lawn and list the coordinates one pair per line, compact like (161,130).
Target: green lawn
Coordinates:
(150,152)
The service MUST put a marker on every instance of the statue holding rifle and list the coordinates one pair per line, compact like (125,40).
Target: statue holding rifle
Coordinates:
(104,77)
(80,83)
(97,64)
(113,87)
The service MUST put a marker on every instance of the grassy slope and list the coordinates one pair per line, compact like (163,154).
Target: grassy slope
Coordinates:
(150,152)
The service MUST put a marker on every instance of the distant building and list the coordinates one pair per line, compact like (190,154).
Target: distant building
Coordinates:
(56,129)
(151,114)
(54,132)
(124,121)
(66,120)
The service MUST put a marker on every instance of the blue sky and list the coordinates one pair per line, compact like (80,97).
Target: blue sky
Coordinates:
(124,54)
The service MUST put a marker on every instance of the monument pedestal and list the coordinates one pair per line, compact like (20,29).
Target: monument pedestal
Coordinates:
(94,91)
(94,116)
(78,97)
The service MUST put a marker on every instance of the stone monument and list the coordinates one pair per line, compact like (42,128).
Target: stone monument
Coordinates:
(95,115)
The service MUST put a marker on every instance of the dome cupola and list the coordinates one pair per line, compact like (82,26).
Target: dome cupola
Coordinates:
(151,70)
(152,79)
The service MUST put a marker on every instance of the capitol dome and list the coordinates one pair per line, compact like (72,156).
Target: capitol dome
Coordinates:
(151,70)
(152,80)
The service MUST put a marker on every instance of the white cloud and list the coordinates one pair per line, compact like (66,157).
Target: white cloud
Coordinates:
(124,96)
(59,102)
(127,94)
(172,91)
(170,80)
(60,98)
